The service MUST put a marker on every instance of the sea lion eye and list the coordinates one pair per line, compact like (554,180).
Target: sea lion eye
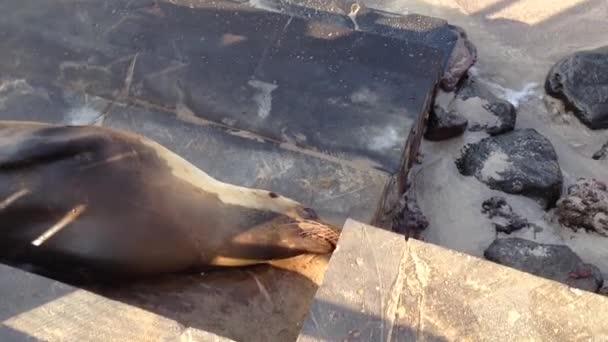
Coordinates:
(309,214)
(272,195)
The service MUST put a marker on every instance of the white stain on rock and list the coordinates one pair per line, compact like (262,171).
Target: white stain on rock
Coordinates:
(538,251)
(264,96)
(474,110)
(497,163)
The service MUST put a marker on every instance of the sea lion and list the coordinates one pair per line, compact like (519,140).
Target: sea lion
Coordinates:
(119,204)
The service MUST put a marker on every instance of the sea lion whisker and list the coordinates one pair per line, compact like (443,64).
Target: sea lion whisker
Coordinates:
(318,230)
(12,198)
(72,215)
(301,221)
(307,224)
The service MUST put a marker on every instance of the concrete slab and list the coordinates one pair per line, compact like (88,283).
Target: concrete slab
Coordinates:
(441,295)
(38,308)
(319,85)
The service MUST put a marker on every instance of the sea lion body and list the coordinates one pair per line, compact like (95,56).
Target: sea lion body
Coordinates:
(119,203)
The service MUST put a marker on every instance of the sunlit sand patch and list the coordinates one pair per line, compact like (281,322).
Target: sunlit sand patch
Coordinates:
(533,12)
(310,266)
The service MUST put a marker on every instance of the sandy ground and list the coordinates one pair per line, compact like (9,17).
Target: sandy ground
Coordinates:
(517,43)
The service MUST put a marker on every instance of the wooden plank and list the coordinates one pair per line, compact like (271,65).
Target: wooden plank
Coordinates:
(36,308)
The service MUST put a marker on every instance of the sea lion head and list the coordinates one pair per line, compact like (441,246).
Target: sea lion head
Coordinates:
(280,238)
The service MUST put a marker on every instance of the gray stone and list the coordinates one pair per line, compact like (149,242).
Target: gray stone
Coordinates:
(555,262)
(504,219)
(585,206)
(580,80)
(410,220)
(521,162)
(500,115)
(602,153)
(443,125)
(415,291)
(463,56)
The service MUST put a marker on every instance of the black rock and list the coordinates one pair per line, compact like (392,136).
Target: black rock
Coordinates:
(521,162)
(602,153)
(463,56)
(505,220)
(585,206)
(443,125)
(410,220)
(501,115)
(580,80)
(554,262)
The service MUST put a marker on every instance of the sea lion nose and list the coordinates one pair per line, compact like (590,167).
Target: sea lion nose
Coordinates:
(309,214)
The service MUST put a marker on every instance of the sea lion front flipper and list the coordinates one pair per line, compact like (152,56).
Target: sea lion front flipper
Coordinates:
(319,231)
(281,238)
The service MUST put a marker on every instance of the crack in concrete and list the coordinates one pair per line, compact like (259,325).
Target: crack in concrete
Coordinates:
(396,292)
(420,268)
(379,277)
